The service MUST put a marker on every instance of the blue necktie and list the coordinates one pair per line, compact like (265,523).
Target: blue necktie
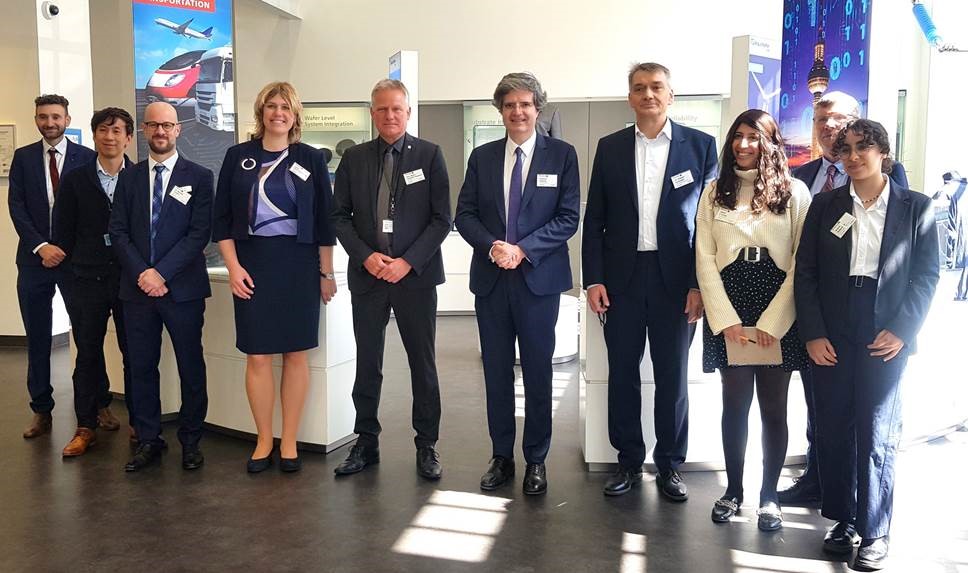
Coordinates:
(514,197)
(157,194)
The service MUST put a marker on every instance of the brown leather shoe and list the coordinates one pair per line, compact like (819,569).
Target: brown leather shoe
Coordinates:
(39,425)
(106,420)
(132,436)
(83,439)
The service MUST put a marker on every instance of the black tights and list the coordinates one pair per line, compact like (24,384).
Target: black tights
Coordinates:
(771,393)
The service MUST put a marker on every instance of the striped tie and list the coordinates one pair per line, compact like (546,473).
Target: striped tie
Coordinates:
(829,183)
(157,194)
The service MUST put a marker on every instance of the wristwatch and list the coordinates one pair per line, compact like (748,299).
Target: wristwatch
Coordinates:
(328,276)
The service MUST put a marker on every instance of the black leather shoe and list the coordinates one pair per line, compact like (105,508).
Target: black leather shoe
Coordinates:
(254,466)
(290,465)
(192,459)
(872,555)
(671,485)
(804,491)
(359,458)
(841,538)
(535,479)
(769,517)
(501,470)
(146,453)
(428,463)
(622,481)
(725,508)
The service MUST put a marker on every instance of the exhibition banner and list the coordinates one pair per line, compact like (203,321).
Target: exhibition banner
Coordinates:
(183,56)
(826,47)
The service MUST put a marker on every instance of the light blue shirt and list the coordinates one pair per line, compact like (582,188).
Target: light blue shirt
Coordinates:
(108,182)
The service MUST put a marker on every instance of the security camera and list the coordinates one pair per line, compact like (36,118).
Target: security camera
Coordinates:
(50,10)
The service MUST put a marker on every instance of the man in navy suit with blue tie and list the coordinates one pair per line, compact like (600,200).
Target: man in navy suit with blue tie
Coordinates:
(639,269)
(160,224)
(518,207)
(35,175)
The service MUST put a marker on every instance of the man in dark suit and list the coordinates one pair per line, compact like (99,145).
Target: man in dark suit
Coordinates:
(518,207)
(391,213)
(639,269)
(81,216)
(160,223)
(35,175)
(831,113)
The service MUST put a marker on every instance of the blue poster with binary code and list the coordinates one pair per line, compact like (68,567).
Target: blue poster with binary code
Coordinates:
(826,47)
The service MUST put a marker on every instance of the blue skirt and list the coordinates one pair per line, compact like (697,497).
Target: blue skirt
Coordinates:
(283,313)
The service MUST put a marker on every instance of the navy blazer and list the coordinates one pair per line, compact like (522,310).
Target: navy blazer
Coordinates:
(809,170)
(547,219)
(421,220)
(610,234)
(907,275)
(313,196)
(183,231)
(27,197)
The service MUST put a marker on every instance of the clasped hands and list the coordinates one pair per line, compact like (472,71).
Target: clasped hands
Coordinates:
(886,344)
(735,335)
(506,255)
(50,256)
(152,283)
(386,268)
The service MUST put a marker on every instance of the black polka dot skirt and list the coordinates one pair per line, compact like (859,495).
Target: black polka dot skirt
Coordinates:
(750,287)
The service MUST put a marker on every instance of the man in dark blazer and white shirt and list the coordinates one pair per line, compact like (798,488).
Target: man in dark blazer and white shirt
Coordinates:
(35,175)
(639,269)
(518,207)
(159,227)
(391,212)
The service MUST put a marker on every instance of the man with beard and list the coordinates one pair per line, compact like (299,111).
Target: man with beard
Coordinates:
(160,224)
(35,174)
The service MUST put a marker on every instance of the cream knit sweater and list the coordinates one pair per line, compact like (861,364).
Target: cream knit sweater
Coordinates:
(721,233)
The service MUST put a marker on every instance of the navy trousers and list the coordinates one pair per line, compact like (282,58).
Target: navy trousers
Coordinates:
(646,309)
(858,408)
(512,312)
(183,320)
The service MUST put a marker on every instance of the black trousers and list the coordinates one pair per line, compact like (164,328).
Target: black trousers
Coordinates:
(183,320)
(647,309)
(35,291)
(95,299)
(415,311)
(811,472)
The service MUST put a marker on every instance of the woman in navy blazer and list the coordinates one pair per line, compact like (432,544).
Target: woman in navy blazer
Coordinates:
(866,272)
(272,226)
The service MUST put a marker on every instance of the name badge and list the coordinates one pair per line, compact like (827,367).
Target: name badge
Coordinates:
(546,180)
(299,171)
(388,225)
(415,176)
(684,178)
(727,215)
(107,240)
(841,227)
(181,194)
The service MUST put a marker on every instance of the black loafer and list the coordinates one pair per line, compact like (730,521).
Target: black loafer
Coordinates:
(290,465)
(841,538)
(428,463)
(359,458)
(254,466)
(671,485)
(501,470)
(535,479)
(192,459)
(622,481)
(769,517)
(725,508)
(872,555)
(146,453)
(804,491)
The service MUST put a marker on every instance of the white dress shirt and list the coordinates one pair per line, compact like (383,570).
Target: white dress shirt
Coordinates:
(867,232)
(840,179)
(165,177)
(651,156)
(61,149)
(527,148)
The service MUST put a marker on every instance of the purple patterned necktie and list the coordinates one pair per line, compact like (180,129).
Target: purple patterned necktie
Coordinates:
(514,198)
(829,183)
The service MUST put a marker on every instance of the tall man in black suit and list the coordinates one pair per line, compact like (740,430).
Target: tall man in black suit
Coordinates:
(831,113)
(391,213)
(81,217)
(160,224)
(639,268)
(35,175)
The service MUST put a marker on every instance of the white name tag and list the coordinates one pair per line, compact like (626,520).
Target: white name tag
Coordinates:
(415,176)
(547,180)
(727,215)
(107,240)
(182,194)
(843,225)
(299,171)
(388,225)
(684,178)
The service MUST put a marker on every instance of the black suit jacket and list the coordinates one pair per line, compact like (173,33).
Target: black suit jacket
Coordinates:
(27,198)
(808,173)
(420,224)
(183,231)
(81,215)
(907,275)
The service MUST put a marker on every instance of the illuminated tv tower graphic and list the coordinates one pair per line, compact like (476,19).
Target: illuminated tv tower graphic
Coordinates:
(819,77)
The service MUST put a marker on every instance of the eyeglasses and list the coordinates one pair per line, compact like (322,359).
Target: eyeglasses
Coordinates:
(154,125)
(602,318)
(512,106)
